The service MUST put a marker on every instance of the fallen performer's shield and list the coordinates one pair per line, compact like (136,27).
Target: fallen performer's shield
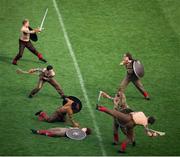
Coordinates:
(76,106)
(75,134)
(33,36)
(138,69)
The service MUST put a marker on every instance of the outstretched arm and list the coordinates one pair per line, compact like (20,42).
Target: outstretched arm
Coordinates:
(35,70)
(150,133)
(31,31)
(153,133)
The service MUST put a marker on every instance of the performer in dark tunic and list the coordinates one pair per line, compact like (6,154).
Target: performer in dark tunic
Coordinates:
(46,75)
(131,76)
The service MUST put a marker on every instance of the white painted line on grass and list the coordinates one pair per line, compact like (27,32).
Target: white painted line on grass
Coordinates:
(80,77)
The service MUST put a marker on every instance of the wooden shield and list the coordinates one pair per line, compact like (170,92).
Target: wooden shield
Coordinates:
(138,69)
(33,36)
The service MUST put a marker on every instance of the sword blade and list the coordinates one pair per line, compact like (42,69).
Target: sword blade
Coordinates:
(99,97)
(44,17)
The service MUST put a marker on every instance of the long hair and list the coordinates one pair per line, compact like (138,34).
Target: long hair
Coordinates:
(128,54)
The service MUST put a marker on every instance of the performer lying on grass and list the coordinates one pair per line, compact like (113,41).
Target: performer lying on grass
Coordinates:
(129,121)
(70,107)
(58,132)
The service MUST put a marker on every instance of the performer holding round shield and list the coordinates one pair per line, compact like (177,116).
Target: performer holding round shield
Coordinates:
(26,34)
(135,71)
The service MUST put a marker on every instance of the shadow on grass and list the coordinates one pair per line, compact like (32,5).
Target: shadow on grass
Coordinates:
(8,59)
(43,95)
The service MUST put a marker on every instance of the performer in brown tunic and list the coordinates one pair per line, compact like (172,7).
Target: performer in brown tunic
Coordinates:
(120,105)
(129,121)
(69,108)
(131,77)
(46,75)
(24,42)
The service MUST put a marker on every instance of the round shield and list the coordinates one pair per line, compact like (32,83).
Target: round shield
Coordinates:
(138,69)
(76,106)
(75,134)
(33,36)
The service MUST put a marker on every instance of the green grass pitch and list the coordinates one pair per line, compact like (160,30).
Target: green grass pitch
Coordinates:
(100,31)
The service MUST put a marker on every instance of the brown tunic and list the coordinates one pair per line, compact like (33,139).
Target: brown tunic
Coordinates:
(59,131)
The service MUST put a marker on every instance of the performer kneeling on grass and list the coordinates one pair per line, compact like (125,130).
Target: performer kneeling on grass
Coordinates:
(58,132)
(131,77)
(46,75)
(129,121)
(70,107)
(24,41)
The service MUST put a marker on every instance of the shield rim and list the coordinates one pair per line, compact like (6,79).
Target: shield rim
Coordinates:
(73,138)
(76,100)
(135,70)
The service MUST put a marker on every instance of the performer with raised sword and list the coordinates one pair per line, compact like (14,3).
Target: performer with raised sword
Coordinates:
(26,35)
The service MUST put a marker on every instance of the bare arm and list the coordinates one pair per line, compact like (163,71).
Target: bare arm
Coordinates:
(35,70)
(105,95)
(150,132)
(31,31)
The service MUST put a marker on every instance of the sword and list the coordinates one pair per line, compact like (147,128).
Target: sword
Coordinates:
(42,22)
(99,97)
(158,132)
